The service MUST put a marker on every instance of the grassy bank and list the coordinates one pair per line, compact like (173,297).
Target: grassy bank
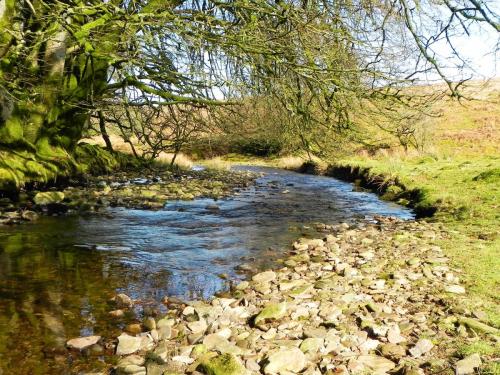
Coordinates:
(459,175)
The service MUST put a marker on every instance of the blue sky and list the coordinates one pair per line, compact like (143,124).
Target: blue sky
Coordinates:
(479,49)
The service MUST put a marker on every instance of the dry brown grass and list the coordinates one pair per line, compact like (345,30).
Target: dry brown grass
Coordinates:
(217,163)
(182,161)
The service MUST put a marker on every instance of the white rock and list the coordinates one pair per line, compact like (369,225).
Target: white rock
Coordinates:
(263,277)
(285,360)
(456,289)
(199,326)
(374,364)
(183,359)
(468,365)
(394,335)
(421,347)
(128,344)
(369,345)
(224,332)
(188,310)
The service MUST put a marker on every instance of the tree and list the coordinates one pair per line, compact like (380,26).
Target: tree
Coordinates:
(322,60)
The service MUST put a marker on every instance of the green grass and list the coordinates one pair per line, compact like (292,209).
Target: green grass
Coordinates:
(459,174)
(466,192)
(481,347)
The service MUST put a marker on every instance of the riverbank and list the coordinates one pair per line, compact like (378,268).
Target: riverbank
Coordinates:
(461,194)
(368,299)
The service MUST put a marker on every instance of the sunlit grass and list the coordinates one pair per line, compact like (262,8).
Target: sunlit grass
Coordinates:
(459,173)
(216,163)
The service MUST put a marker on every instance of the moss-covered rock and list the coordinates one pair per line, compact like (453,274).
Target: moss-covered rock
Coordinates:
(224,364)
(48,197)
(272,311)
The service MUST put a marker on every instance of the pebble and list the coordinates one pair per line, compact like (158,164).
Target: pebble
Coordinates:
(285,360)
(456,289)
(123,301)
(128,344)
(264,277)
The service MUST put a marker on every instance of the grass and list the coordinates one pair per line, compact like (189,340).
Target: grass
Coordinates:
(459,174)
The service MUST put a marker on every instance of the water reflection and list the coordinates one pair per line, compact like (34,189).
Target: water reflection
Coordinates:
(57,275)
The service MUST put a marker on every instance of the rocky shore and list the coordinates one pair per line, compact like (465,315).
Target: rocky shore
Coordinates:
(376,298)
(134,189)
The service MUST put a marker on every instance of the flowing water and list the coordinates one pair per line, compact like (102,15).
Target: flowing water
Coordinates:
(57,275)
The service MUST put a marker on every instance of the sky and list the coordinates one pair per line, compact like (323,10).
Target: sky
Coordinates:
(481,49)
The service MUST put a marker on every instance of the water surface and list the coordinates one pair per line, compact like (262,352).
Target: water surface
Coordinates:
(57,275)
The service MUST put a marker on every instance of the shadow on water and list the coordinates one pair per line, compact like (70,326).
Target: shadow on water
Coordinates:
(57,275)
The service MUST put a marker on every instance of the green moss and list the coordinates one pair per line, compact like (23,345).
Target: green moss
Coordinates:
(48,197)
(18,168)
(481,347)
(224,364)
(272,311)
(95,159)
(12,131)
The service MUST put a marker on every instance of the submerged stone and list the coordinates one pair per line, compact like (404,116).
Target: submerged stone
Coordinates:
(81,343)
(128,344)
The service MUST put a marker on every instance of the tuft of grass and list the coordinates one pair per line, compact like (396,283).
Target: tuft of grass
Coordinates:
(182,161)
(492,368)
(216,163)
(480,347)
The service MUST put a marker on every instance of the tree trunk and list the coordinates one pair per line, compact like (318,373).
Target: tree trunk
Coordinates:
(104,133)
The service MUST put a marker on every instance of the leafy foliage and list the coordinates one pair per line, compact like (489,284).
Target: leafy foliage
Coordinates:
(327,65)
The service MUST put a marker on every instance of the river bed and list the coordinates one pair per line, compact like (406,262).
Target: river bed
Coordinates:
(57,274)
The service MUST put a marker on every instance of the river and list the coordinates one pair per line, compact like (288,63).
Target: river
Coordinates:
(57,274)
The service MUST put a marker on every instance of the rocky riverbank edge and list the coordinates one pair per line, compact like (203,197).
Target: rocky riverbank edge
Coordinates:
(147,189)
(375,298)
